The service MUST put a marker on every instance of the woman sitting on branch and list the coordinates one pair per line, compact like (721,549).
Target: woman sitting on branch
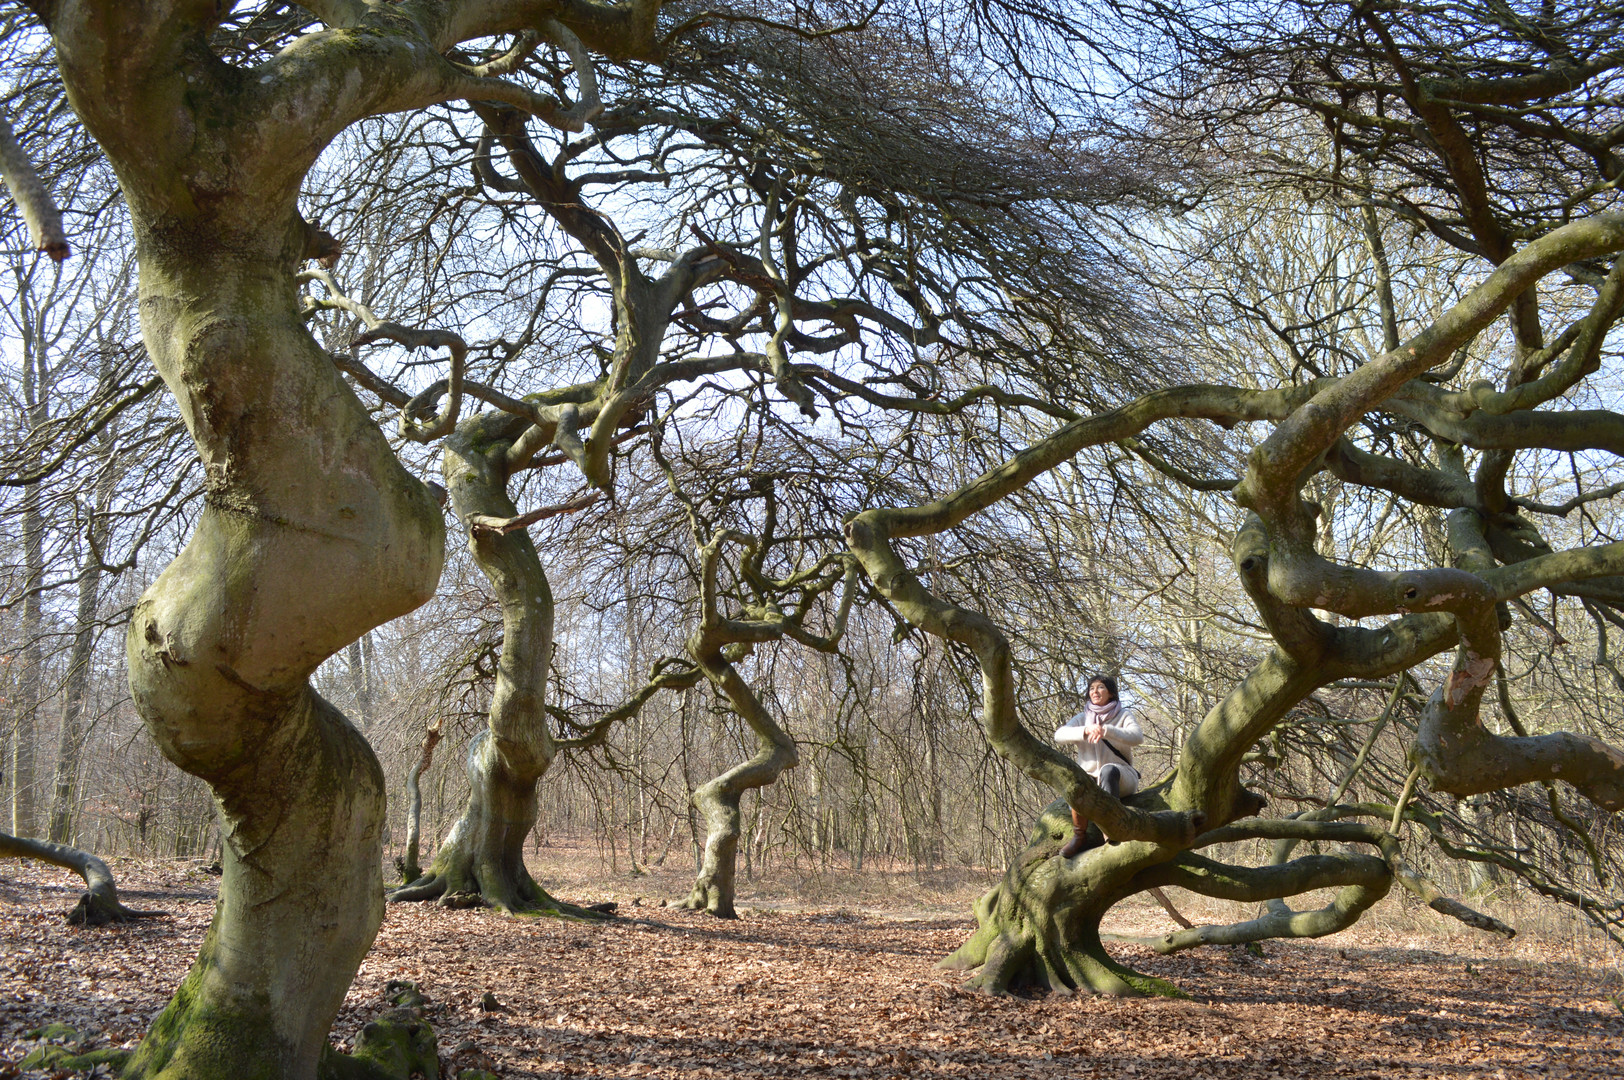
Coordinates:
(1103,736)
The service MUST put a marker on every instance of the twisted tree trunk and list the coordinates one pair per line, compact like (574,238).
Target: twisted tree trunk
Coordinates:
(1040,925)
(715,645)
(409,869)
(718,799)
(311,535)
(483,855)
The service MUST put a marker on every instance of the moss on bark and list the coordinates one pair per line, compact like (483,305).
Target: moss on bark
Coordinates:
(398,1044)
(1039,927)
(483,856)
(61,1051)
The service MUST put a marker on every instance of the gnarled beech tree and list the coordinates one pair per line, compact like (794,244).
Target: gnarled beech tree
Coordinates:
(1040,925)
(715,646)
(313,531)
(1495,134)
(483,855)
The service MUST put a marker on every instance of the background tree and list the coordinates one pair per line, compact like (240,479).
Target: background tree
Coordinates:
(768,240)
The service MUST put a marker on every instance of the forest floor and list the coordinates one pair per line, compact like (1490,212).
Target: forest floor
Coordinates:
(833,975)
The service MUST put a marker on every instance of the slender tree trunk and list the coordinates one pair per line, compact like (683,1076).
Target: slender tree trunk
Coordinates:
(635,790)
(1482,876)
(369,662)
(718,799)
(819,834)
(935,845)
(24,745)
(70,736)
(409,868)
(359,684)
(25,733)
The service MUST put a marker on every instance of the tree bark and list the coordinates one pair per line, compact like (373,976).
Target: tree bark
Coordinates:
(25,730)
(718,799)
(1040,925)
(481,860)
(483,854)
(70,736)
(311,533)
(714,646)
(39,212)
(360,683)
(409,869)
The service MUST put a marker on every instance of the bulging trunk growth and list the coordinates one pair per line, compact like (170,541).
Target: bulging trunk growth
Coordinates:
(312,534)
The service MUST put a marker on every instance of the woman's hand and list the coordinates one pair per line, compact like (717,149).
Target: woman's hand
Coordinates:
(1094,732)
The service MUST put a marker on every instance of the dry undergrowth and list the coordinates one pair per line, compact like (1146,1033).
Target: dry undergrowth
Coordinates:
(838,981)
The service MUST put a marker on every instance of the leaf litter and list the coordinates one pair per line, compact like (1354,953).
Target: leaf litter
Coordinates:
(833,992)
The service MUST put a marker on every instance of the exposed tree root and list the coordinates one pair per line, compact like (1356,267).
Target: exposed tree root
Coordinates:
(100,904)
(513,892)
(481,862)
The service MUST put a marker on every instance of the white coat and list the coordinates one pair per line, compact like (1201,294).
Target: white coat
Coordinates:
(1122,734)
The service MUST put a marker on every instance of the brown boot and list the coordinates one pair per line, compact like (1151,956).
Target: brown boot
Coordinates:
(1079,838)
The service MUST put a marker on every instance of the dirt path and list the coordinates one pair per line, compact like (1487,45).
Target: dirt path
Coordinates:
(675,995)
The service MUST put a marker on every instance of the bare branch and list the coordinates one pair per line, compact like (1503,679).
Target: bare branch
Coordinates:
(486,523)
(39,212)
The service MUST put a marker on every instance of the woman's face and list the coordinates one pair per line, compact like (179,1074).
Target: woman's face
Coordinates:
(1099,693)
